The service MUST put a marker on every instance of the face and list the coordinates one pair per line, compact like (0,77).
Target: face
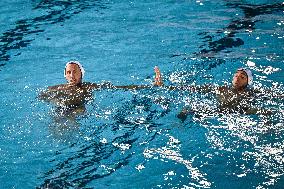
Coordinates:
(240,80)
(73,74)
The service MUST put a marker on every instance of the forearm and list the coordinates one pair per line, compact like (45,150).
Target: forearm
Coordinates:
(258,111)
(133,87)
(171,87)
(190,88)
(43,95)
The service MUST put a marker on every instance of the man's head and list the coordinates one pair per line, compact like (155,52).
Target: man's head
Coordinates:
(242,78)
(74,72)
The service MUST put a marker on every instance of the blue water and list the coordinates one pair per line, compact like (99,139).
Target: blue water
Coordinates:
(133,139)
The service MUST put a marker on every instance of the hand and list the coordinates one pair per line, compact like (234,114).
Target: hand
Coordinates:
(158,77)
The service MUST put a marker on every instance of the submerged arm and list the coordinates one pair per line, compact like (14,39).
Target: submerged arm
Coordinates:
(258,111)
(269,93)
(191,88)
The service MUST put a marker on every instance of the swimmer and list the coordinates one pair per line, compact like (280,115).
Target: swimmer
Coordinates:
(76,92)
(235,98)
(70,99)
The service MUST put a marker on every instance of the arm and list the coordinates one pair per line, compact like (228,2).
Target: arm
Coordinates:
(63,91)
(108,85)
(269,93)
(133,87)
(158,82)
(259,111)
(158,77)
(191,88)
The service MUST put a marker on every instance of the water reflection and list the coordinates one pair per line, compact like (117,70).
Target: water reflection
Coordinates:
(69,106)
(262,145)
(222,42)
(246,23)
(171,152)
(111,134)
(104,148)
(213,53)
(55,12)
(65,125)
(253,144)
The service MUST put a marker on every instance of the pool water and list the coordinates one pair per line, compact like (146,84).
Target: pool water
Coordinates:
(133,139)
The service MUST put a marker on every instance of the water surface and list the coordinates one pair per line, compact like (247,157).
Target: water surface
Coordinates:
(133,139)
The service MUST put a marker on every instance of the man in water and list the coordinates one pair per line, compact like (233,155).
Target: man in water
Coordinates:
(74,94)
(235,98)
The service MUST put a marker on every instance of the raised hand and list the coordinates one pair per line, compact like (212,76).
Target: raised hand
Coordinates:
(158,77)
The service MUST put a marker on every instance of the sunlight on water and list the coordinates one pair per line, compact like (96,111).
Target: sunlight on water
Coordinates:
(171,152)
(148,138)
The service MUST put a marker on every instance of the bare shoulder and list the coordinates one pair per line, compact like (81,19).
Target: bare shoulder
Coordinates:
(90,86)
(51,91)
(57,87)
